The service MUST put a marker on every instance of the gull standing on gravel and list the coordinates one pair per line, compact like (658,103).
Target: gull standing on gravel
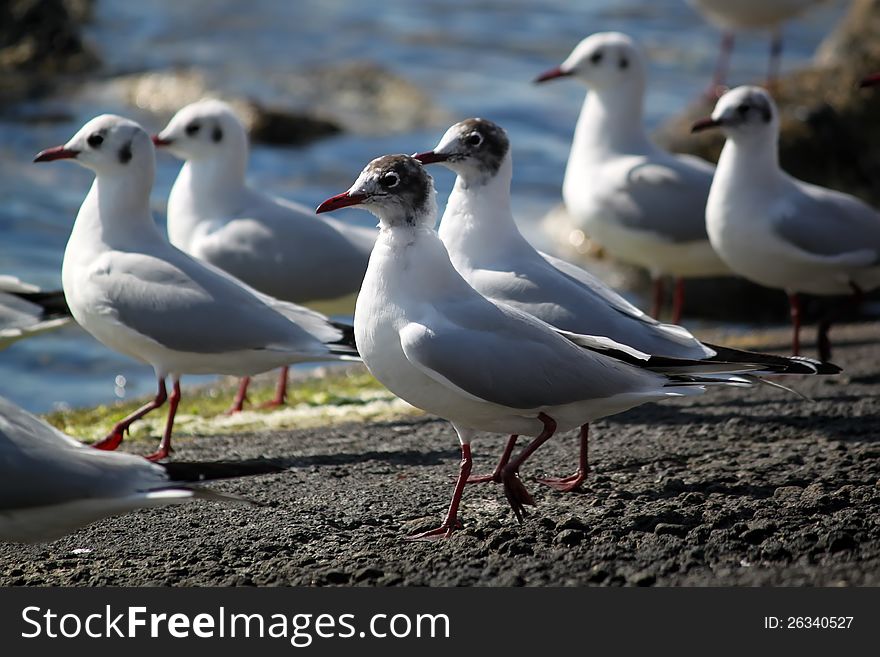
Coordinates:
(273,245)
(779,231)
(51,484)
(732,16)
(434,341)
(27,310)
(140,296)
(645,206)
(487,249)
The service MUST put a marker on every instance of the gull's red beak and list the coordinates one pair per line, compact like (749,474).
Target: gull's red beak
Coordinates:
(55,153)
(552,74)
(705,124)
(343,200)
(870,81)
(430,157)
(158,141)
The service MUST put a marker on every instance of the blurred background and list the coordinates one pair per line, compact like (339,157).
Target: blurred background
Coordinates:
(325,86)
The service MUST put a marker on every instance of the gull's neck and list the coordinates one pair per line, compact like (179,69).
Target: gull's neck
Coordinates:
(611,122)
(115,214)
(208,189)
(478,227)
(751,160)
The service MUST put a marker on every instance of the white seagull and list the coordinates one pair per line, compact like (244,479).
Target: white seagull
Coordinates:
(734,16)
(27,310)
(645,206)
(433,340)
(491,254)
(779,231)
(273,245)
(140,296)
(51,484)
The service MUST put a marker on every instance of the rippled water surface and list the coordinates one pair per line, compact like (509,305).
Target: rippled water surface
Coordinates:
(473,57)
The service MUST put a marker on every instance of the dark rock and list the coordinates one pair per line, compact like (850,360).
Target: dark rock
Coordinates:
(840,541)
(670,529)
(40,40)
(569,537)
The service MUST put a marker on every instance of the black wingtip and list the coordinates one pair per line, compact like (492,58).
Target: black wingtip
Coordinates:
(347,339)
(52,302)
(196,471)
(774,363)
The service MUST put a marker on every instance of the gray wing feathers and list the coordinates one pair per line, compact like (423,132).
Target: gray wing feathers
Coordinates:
(41,466)
(157,297)
(512,360)
(828,223)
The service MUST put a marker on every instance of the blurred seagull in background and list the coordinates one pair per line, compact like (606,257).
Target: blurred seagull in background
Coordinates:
(779,231)
(27,310)
(490,253)
(645,206)
(51,484)
(276,246)
(434,341)
(139,295)
(732,16)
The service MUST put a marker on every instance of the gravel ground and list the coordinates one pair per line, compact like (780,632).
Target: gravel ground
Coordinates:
(735,487)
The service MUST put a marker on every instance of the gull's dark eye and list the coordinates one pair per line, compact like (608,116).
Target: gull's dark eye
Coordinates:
(624,62)
(596,57)
(389,180)
(474,139)
(95,140)
(743,109)
(192,128)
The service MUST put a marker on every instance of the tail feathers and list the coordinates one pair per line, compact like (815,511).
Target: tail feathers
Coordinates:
(53,303)
(772,364)
(197,471)
(737,380)
(344,346)
(181,494)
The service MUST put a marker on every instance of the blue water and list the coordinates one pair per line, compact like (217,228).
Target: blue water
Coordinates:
(475,57)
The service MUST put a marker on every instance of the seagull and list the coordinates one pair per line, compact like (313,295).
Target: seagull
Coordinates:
(779,231)
(142,297)
(436,342)
(732,17)
(645,206)
(273,245)
(490,253)
(27,310)
(51,484)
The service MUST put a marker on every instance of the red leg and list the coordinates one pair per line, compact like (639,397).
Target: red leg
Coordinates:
(450,521)
(678,300)
(719,78)
(113,440)
(165,445)
(794,302)
(240,396)
(514,490)
(496,473)
(573,482)
(657,306)
(280,391)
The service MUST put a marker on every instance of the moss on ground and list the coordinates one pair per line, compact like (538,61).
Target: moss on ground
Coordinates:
(323,397)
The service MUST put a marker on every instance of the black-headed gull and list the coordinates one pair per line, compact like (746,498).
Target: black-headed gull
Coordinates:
(442,346)
(139,295)
(732,17)
(27,310)
(644,205)
(490,253)
(51,484)
(779,231)
(273,245)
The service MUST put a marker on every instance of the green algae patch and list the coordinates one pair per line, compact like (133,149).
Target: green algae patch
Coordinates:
(324,396)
